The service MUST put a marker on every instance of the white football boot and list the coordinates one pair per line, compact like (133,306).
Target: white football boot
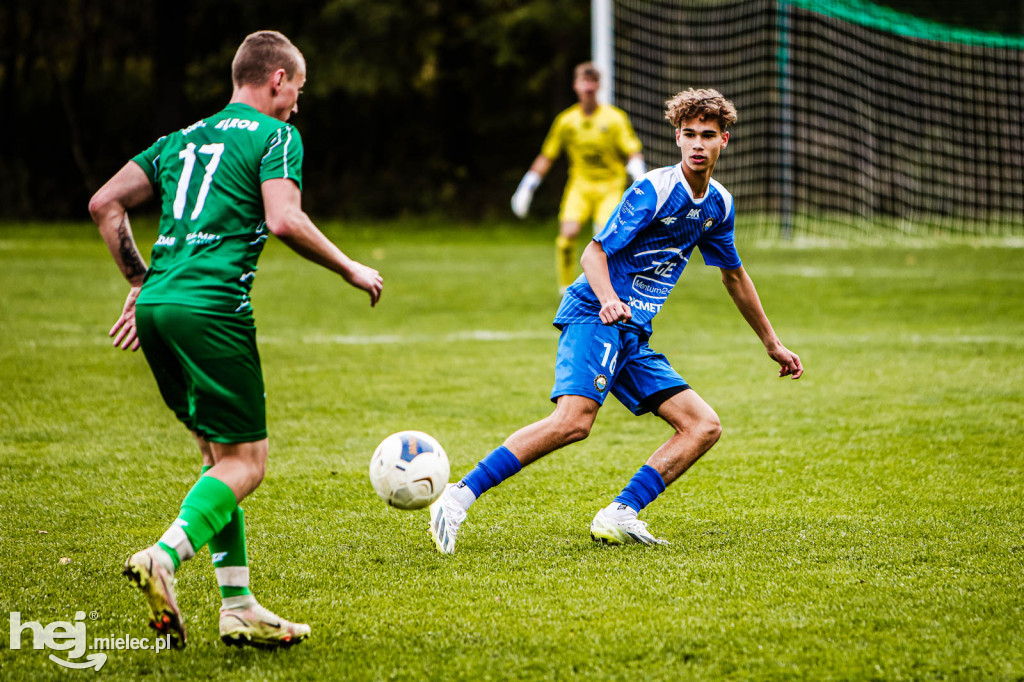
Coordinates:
(445,517)
(258,627)
(617,524)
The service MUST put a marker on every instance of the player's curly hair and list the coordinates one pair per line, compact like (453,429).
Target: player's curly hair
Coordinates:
(701,104)
(261,54)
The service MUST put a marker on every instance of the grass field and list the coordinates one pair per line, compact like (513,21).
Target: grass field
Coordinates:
(864,522)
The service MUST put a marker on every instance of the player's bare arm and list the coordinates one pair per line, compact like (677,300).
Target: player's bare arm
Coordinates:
(595,266)
(744,295)
(109,208)
(282,202)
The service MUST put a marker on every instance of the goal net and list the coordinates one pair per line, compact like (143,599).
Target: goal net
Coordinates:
(856,122)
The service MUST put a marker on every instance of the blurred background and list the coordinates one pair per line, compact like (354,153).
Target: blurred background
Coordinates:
(411,107)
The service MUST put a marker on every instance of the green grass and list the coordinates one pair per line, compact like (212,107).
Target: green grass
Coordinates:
(864,522)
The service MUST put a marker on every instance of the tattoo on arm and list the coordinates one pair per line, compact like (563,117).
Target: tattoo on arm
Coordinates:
(133,264)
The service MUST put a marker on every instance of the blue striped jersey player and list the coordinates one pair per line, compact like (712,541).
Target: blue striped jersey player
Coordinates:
(629,269)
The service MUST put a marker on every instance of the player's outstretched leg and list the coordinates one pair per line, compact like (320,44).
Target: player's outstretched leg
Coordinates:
(154,575)
(259,627)
(617,524)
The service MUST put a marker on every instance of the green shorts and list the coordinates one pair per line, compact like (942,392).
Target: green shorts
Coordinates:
(207,368)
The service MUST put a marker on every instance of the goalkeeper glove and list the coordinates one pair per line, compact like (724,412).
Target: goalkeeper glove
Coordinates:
(524,193)
(636,167)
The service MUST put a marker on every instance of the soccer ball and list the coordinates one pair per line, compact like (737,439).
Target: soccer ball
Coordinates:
(409,469)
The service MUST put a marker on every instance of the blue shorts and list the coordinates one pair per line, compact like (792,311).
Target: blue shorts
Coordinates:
(594,359)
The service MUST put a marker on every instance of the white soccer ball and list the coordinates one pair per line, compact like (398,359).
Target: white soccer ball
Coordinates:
(409,470)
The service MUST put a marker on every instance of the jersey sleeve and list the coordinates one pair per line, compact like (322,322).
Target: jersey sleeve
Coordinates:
(718,247)
(628,142)
(552,146)
(282,157)
(149,160)
(635,212)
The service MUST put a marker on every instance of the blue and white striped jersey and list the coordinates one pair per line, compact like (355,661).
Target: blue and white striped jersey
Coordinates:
(648,241)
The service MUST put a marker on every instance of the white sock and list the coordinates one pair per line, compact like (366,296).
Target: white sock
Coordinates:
(175,538)
(462,494)
(242,601)
(621,511)
(163,558)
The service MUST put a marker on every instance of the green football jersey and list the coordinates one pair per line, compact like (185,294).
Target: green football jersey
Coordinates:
(212,226)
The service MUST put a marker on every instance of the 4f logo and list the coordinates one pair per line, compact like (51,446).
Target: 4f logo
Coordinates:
(694,213)
(669,220)
(638,191)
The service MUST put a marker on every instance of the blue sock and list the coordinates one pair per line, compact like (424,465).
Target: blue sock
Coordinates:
(645,485)
(492,470)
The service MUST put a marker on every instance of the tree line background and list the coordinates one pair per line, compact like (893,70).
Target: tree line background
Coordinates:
(411,107)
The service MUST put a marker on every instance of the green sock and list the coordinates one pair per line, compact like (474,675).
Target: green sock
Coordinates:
(206,510)
(230,558)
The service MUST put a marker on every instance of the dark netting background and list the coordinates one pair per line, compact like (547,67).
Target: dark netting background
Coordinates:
(847,128)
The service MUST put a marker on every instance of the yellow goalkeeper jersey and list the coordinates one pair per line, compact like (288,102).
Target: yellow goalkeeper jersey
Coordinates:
(597,145)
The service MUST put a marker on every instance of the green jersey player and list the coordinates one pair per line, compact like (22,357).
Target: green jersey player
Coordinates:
(224,184)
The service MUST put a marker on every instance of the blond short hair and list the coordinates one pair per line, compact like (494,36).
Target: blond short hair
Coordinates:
(261,54)
(700,104)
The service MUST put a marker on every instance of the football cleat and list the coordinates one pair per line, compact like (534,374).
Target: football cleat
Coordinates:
(260,628)
(620,527)
(446,515)
(157,585)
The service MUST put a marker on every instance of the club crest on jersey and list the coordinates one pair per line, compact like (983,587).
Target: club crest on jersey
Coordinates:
(694,213)
(601,382)
(708,223)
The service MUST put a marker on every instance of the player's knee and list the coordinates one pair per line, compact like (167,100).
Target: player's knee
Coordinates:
(572,429)
(710,429)
(257,470)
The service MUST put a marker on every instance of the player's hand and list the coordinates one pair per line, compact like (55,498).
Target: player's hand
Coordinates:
(524,193)
(521,201)
(789,362)
(366,278)
(124,331)
(615,311)
(636,168)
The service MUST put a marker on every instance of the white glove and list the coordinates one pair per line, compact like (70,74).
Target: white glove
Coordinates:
(636,167)
(524,193)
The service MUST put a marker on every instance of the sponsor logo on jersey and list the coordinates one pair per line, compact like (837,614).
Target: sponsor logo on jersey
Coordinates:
(669,220)
(651,288)
(627,206)
(164,240)
(708,223)
(240,123)
(601,382)
(694,213)
(647,306)
(664,268)
(197,124)
(201,238)
(638,191)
